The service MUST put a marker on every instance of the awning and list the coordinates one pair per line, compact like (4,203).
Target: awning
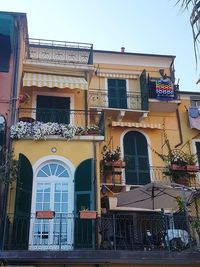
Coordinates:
(137,124)
(107,73)
(51,81)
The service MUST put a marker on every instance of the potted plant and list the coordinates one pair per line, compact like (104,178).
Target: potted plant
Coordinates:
(112,157)
(24,98)
(181,165)
(93,130)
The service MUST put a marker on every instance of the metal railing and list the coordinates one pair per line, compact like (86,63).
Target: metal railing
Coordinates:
(80,118)
(59,51)
(136,231)
(163,175)
(134,101)
(167,176)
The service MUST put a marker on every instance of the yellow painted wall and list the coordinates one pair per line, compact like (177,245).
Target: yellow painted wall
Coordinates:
(75,151)
(77,94)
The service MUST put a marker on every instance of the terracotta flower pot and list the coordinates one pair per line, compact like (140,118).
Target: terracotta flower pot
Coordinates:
(192,168)
(175,167)
(116,163)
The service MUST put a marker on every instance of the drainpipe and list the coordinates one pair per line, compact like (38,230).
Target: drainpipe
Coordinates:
(179,129)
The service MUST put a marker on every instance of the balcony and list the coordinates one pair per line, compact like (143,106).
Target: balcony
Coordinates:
(130,231)
(164,103)
(119,107)
(116,176)
(60,122)
(59,52)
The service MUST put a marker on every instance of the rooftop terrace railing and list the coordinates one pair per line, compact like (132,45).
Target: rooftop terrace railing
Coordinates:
(60,52)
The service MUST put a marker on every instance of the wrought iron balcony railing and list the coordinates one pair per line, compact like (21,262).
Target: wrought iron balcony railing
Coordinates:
(133,101)
(74,117)
(152,231)
(164,175)
(62,122)
(59,51)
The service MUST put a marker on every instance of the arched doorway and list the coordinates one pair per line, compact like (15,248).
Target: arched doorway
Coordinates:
(137,169)
(53,190)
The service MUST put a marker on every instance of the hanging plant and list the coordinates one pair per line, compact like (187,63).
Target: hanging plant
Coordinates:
(24,98)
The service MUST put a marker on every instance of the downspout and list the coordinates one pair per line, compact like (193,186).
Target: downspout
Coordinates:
(179,129)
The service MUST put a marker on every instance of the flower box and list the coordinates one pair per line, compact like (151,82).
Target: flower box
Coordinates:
(45,214)
(192,168)
(175,167)
(116,163)
(88,214)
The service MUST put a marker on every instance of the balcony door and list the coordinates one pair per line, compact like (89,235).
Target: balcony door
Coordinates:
(117,93)
(52,191)
(137,159)
(53,109)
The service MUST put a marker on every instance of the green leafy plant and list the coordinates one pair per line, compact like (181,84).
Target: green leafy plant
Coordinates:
(181,165)
(196,225)
(8,167)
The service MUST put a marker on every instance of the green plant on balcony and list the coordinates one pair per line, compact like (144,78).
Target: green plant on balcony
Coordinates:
(111,164)
(181,165)
(111,156)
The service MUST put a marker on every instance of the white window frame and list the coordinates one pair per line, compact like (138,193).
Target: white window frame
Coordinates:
(71,170)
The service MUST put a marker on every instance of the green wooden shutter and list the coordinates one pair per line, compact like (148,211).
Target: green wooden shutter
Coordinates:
(23,197)
(117,95)
(5,52)
(144,91)
(137,159)
(53,109)
(84,199)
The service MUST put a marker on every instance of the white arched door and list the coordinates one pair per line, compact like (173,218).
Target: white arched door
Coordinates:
(53,190)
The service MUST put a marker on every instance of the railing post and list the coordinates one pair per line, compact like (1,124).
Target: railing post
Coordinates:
(186,216)
(60,233)
(114,231)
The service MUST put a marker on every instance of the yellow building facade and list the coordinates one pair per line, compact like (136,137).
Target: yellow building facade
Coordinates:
(91,125)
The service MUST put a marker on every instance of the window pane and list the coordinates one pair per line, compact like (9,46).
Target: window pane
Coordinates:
(46,206)
(39,197)
(39,206)
(57,207)
(59,170)
(47,197)
(64,174)
(57,197)
(53,168)
(46,169)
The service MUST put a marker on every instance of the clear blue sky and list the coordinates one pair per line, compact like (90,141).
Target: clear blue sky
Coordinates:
(141,26)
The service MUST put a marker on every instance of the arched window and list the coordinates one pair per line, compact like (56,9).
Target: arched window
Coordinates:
(53,191)
(137,170)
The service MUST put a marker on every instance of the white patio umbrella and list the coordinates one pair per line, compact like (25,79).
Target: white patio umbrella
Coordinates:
(154,196)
